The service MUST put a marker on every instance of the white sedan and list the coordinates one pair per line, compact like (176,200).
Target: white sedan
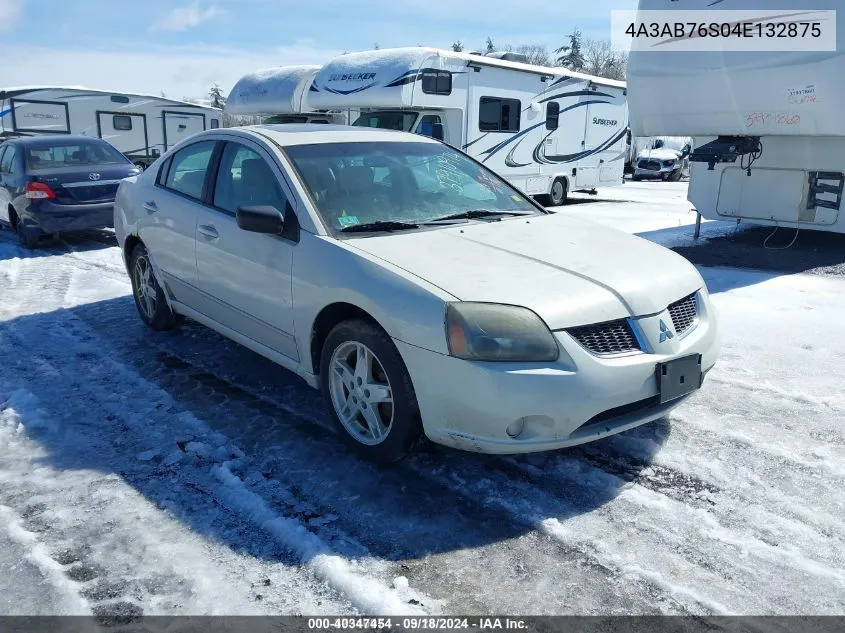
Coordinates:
(423,294)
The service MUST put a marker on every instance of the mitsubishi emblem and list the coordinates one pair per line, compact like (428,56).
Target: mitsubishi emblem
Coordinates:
(665,332)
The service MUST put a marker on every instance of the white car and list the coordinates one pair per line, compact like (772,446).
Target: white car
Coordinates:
(422,293)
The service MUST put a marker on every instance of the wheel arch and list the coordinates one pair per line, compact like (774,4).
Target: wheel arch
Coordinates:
(327,319)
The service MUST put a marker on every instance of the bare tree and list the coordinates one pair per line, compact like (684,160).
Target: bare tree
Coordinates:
(601,60)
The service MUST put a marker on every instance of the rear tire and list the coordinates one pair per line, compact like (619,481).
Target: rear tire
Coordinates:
(149,297)
(28,239)
(558,194)
(369,393)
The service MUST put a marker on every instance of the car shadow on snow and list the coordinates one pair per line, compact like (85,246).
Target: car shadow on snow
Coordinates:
(126,400)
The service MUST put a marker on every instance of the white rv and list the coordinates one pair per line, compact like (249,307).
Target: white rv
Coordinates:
(547,130)
(768,128)
(277,95)
(141,127)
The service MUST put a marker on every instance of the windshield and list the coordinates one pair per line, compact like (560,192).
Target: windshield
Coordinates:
(400,121)
(362,183)
(284,118)
(75,154)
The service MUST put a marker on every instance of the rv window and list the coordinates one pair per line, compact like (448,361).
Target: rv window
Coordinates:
(498,115)
(121,122)
(215,124)
(552,115)
(119,99)
(187,172)
(401,121)
(437,82)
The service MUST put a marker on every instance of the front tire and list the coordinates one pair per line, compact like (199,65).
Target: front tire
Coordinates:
(149,297)
(559,191)
(369,392)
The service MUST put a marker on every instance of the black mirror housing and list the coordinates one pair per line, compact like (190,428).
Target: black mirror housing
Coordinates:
(260,219)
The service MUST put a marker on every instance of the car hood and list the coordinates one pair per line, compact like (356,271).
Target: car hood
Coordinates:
(660,154)
(571,272)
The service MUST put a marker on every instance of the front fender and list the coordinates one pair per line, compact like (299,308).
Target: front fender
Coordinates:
(328,271)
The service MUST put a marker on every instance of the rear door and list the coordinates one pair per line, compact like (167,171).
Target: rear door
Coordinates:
(7,153)
(181,125)
(170,209)
(127,132)
(604,140)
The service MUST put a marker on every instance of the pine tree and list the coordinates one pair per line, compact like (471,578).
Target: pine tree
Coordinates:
(217,98)
(570,56)
(458,46)
(491,48)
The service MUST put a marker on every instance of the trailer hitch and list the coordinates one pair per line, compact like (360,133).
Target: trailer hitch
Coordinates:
(727,149)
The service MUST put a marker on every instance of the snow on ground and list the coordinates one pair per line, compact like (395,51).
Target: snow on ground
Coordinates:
(180,473)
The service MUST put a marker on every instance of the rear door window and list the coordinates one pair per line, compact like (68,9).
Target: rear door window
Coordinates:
(189,168)
(7,162)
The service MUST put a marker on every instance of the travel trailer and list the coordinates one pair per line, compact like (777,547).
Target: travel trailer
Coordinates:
(769,135)
(140,126)
(277,95)
(548,131)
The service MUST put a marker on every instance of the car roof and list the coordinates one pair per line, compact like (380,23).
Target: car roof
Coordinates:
(62,139)
(288,134)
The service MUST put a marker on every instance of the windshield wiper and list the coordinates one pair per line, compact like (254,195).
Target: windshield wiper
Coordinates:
(477,213)
(381,225)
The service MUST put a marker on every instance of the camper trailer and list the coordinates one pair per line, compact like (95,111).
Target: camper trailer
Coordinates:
(277,95)
(769,135)
(546,130)
(141,127)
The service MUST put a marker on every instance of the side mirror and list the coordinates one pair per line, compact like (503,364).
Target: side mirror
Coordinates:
(260,219)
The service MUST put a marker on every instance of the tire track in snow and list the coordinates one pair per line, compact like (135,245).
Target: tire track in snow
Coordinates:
(296,454)
(370,595)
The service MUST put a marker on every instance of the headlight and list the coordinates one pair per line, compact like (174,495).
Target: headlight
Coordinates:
(496,332)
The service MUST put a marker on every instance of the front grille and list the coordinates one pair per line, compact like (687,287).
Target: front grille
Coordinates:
(650,165)
(684,313)
(606,339)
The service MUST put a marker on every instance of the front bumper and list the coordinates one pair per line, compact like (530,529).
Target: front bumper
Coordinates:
(578,399)
(661,173)
(50,217)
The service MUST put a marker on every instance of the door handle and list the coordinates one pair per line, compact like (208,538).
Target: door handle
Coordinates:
(208,231)
(150,207)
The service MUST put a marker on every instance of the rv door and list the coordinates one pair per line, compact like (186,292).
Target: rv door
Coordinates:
(180,125)
(127,132)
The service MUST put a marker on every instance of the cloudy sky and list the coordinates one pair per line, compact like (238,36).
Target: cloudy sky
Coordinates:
(181,47)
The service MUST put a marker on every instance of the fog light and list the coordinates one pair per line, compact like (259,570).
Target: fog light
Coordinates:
(515,429)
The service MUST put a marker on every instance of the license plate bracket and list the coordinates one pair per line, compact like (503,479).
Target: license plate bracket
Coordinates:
(679,377)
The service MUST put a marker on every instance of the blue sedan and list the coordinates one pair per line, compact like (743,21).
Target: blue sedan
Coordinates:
(53,184)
